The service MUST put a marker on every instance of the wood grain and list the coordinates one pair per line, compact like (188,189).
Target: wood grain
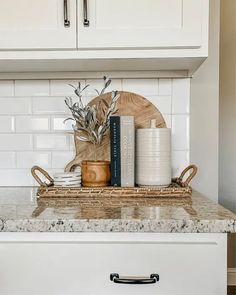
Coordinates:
(129,104)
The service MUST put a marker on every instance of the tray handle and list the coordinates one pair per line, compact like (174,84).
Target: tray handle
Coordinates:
(189,178)
(36,169)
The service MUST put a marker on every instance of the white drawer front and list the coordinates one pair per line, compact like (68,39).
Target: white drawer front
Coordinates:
(184,267)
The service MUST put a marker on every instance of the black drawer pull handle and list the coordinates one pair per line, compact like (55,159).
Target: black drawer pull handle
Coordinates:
(114,277)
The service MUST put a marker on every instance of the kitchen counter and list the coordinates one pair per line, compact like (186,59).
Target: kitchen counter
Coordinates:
(21,211)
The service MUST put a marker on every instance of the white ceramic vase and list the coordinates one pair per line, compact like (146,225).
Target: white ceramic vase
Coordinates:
(153,156)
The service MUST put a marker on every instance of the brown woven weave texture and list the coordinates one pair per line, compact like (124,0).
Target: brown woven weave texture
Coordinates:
(174,190)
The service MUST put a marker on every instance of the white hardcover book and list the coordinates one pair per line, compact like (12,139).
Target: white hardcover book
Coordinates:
(127,150)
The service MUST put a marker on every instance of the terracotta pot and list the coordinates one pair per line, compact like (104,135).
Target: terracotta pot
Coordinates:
(95,173)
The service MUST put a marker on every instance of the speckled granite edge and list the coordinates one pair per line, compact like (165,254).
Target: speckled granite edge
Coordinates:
(98,225)
(22,211)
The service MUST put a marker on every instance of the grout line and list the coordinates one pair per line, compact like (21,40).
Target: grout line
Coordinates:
(158,89)
(50,84)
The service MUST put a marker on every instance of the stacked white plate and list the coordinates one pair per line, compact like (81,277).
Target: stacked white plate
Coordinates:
(67,178)
(153,156)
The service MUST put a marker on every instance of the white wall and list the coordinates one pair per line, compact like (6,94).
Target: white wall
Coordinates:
(32,130)
(227,159)
(205,113)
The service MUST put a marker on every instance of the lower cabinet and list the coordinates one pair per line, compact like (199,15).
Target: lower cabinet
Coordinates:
(68,264)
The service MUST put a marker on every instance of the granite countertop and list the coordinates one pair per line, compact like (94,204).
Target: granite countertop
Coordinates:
(21,210)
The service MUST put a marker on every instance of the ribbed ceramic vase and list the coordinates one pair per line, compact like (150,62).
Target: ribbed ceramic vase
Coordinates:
(153,156)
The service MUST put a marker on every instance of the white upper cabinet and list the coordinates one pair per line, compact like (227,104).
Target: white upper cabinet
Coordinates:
(37,24)
(157,24)
(103,35)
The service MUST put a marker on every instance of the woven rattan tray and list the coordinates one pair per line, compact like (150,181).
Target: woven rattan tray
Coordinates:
(177,189)
(109,208)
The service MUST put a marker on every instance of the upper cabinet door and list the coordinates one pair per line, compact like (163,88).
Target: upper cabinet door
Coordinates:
(141,23)
(37,24)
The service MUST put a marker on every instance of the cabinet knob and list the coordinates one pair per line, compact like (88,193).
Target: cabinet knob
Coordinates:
(152,279)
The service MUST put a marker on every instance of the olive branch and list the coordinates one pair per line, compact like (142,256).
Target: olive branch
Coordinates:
(91,122)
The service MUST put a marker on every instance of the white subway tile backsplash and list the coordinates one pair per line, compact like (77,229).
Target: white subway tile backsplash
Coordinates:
(181,96)
(86,99)
(98,84)
(16,177)
(143,87)
(31,87)
(168,120)
(16,142)
(180,132)
(163,103)
(32,124)
(7,124)
(7,160)
(51,142)
(32,131)
(59,124)
(6,88)
(49,105)
(61,159)
(15,105)
(29,159)
(180,160)
(72,142)
(62,87)
(165,86)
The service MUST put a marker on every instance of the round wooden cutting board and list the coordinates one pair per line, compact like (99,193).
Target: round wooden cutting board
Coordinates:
(128,104)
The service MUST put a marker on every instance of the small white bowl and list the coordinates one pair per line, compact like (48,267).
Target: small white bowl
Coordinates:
(66,174)
(67,179)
